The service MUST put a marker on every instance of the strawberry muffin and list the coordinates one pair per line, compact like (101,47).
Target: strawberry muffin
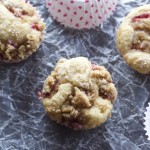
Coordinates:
(133,39)
(78,94)
(21,30)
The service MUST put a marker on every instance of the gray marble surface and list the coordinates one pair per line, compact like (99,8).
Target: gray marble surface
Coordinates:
(23,122)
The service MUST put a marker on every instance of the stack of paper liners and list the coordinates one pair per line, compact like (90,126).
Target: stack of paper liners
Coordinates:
(81,14)
(147,122)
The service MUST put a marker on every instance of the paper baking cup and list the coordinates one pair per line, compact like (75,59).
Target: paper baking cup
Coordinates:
(81,14)
(147,122)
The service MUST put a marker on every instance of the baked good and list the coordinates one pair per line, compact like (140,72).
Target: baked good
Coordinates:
(78,94)
(133,39)
(21,30)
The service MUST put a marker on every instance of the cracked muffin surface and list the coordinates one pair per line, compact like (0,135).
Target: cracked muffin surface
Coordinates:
(21,28)
(78,94)
(133,39)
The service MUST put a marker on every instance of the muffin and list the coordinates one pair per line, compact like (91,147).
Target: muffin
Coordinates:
(78,94)
(133,39)
(21,30)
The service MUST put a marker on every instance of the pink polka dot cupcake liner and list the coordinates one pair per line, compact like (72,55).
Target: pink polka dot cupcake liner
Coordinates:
(81,14)
(147,121)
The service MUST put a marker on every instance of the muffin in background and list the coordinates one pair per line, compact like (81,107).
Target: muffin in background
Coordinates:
(133,39)
(21,28)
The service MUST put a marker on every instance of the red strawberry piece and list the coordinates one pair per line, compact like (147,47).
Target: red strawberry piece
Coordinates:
(142,16)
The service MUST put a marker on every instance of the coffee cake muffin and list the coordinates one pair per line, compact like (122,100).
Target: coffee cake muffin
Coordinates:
(21,30)
(78,94)
(133,39)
